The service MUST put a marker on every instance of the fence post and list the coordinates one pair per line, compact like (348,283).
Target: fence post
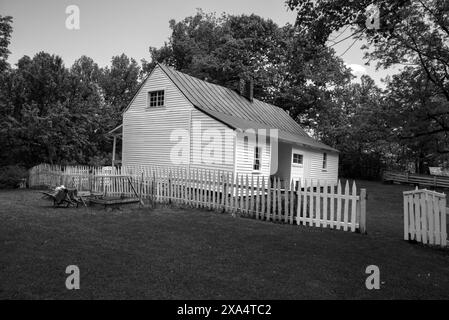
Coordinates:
(443,222)
(362,223)
(169,189)
(406,220)
(141,187)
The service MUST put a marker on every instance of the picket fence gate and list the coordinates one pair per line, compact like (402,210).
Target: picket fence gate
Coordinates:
(314,203)
(425,217)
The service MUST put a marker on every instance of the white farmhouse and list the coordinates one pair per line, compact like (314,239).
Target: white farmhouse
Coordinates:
(178,120)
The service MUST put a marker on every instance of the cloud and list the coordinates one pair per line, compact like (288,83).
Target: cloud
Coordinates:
(357,68)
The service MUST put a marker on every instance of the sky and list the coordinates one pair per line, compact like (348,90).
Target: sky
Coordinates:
(109,28)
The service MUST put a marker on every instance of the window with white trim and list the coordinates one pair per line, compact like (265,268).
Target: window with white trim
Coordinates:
(156,98)
(324,161)
(298,158)
(257,158)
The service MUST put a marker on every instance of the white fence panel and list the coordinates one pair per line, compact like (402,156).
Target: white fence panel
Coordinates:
(425,217)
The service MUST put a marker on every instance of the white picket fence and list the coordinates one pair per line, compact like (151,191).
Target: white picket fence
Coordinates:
(425,217)
(313,203)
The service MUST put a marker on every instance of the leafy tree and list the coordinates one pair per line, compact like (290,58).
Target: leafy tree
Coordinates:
(95,115)
(34,88)
(87,70)
(356,123)
(413,33)
(417,114)
(5,37)
(119,83)
(54,114)
(49,113)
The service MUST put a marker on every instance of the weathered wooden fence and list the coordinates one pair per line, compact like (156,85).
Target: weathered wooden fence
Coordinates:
(417,179)
(313,203)
(425,217)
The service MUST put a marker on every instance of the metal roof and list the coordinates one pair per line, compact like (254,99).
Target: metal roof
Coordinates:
(238,123)
(236,111)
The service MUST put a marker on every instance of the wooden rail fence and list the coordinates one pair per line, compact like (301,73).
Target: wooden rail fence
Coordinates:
(416,179)
(425,217)
(314,203)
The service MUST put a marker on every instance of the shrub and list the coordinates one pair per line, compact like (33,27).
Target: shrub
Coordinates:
(10,176)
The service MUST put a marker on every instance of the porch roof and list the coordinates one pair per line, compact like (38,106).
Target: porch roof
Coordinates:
(237,123)
(117,131)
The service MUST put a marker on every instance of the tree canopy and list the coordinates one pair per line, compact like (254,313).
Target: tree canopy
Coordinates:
(411,34)
(51,113)
(58,114)
(5,38)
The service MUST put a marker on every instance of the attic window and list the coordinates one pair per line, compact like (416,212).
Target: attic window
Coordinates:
(156,98)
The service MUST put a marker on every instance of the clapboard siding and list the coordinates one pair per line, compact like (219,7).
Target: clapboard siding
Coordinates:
(244,156)
(207,132)
(314,166)
(160,136)
(147,131)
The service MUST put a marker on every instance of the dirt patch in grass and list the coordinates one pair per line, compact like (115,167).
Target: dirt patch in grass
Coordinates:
(174,253)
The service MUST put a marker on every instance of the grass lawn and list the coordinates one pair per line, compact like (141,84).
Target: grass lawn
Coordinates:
(169,253)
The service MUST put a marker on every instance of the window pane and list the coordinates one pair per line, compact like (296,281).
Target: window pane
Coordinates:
(297,158)
(156,98)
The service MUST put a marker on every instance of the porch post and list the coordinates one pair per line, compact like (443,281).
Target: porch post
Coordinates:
(113,150)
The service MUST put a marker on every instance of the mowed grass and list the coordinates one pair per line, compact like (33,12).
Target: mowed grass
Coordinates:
(173,253)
